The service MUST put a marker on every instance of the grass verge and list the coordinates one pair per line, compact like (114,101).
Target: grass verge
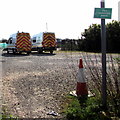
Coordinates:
(91,109)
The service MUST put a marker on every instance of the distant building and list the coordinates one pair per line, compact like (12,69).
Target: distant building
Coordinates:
(119,11)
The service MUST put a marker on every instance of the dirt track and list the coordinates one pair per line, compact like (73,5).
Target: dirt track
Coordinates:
(37,84)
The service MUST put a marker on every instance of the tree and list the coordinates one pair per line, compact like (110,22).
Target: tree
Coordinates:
(92,37)
(113,36)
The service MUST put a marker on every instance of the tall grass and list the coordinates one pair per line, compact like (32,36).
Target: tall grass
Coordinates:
(93,72)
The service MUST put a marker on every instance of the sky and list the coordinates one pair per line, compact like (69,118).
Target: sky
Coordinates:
(66,18)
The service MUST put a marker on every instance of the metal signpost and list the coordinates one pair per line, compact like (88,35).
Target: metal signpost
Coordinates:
(103,13)
(103,46)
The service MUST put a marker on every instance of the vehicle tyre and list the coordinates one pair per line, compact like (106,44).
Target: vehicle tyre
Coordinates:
(28,53)
(20,52)
(14,51)
(51,51)
(40,51)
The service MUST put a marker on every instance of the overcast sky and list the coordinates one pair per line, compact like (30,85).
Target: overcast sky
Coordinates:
(67,18)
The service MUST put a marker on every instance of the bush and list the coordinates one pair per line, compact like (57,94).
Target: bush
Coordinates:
(112,76)
(93,75)
(90,111)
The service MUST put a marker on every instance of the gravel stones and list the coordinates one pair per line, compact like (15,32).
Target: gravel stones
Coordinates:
(36,84)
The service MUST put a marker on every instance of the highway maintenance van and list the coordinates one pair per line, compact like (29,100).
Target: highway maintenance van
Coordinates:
(44,41)
(18,43)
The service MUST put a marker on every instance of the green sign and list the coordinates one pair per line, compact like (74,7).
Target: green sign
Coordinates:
(103,13)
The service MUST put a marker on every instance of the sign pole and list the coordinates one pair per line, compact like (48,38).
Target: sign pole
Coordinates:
(103,50)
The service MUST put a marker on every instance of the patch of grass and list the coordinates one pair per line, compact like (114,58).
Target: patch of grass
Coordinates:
(6,115)
(91,110)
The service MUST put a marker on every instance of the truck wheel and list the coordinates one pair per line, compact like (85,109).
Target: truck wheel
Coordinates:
(20,52)
(28,53)
(40,51)
(14,51)
(51,51)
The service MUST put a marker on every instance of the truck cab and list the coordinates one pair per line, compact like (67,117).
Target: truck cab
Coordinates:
(11,43)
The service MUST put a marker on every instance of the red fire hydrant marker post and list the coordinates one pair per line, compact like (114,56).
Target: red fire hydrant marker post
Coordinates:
(81,89)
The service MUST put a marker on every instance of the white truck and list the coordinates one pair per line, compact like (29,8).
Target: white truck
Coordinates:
(44,41)
(18,43)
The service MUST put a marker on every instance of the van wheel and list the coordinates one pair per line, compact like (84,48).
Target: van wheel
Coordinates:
(40,51)
(51,51)
(14,51)
(28,53)
(20,52)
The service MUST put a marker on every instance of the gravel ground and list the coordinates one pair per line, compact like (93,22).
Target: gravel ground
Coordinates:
(37,84)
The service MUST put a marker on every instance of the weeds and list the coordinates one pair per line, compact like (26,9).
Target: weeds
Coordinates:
(93,76)
(6,115)
(93,68)
(91,111)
